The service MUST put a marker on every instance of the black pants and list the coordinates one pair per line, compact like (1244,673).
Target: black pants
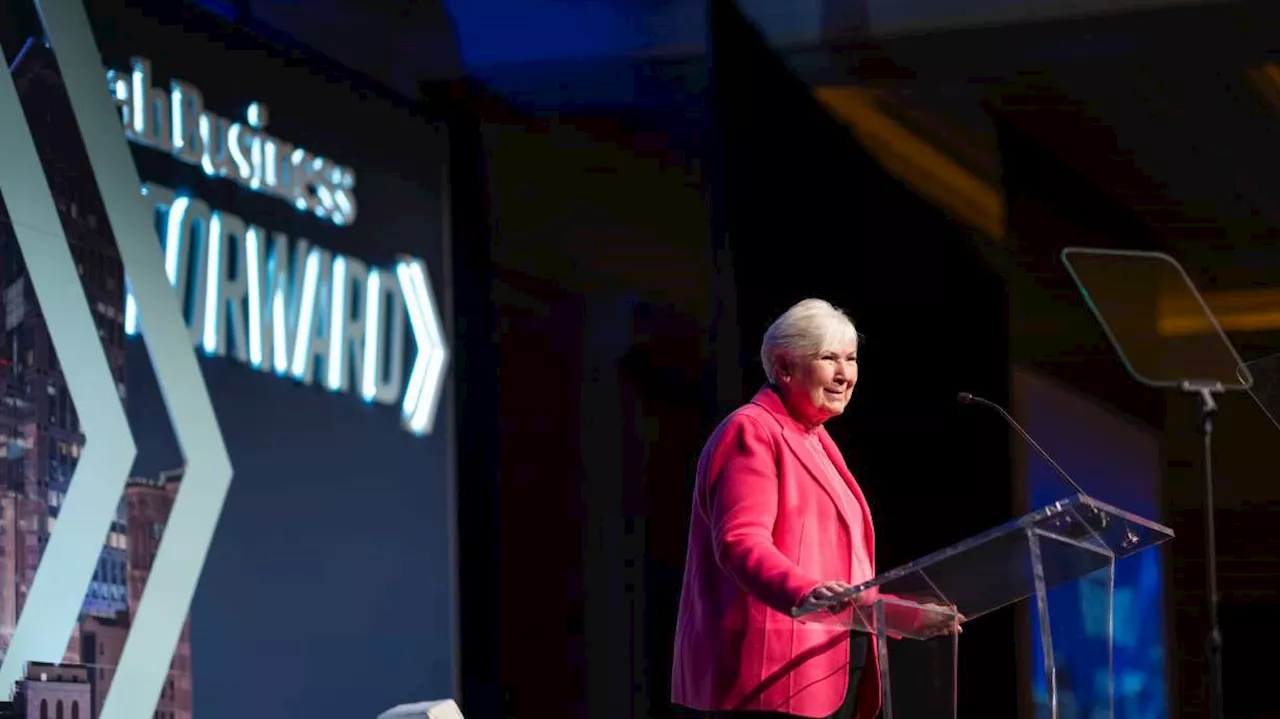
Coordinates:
(859,644)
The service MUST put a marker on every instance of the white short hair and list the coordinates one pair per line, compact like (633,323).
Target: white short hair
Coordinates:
(804,332)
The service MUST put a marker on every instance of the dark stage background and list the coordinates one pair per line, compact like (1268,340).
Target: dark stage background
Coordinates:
(646,220)
(647,334)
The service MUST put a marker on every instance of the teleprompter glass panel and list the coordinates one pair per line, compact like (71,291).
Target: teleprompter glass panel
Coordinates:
(1158,322)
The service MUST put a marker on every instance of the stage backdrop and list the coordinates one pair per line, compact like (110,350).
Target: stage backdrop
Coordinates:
(291,235)
(1119,461)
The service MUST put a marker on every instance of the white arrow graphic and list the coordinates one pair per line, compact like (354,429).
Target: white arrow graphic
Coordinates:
(53,605)
(426,381)
(144,663)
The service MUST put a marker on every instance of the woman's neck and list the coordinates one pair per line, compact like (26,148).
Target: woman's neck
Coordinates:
(799,409)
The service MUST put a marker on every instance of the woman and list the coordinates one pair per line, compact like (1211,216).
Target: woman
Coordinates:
(779,527)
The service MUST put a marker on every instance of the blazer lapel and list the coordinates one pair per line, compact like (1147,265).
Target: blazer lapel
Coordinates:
(794,436)
(868,529)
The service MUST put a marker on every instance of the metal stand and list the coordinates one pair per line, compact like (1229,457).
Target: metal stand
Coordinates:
(1208,408)
(1132,294)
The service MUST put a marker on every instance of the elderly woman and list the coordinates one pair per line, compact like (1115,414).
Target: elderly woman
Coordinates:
(779,526)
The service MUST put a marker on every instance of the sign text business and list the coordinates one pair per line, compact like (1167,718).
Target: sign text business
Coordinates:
(277,304)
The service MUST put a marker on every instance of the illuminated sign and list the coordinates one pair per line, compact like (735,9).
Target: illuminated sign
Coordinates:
(177,122)
(281,305)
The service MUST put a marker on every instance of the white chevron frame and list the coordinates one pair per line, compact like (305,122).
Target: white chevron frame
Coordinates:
(53,606)
(158,620)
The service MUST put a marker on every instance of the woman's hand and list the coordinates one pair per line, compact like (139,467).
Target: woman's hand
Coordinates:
(828,595)
(937,620)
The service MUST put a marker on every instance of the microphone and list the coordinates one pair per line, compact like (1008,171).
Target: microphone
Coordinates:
(966,398)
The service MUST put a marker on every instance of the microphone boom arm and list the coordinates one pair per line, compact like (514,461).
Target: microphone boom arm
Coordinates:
(966,398)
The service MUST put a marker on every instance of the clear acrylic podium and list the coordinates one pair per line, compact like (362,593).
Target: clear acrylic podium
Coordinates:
(918,605)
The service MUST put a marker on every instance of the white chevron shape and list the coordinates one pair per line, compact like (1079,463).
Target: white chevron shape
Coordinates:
(426,380)
(53,605)
(144,663)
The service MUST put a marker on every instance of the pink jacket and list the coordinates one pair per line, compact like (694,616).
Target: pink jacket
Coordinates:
(766,530)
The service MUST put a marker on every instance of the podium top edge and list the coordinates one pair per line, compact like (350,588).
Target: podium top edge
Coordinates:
(1036,517)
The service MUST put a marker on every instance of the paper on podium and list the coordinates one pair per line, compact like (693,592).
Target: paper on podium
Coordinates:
(440,709)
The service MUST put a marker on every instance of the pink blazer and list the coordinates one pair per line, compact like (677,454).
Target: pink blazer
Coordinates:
(766,530)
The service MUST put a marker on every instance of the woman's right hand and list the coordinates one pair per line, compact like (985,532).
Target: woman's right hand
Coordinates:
(828,596)
(935,620)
